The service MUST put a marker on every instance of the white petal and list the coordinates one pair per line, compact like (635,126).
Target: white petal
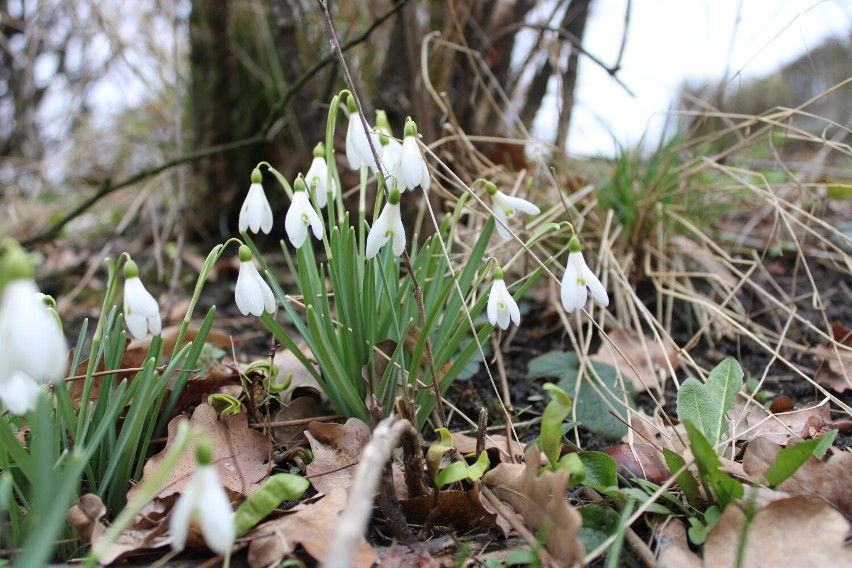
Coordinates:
(215,512)
(398,230)
(297,232)
(410,172)
(30,338)
(499,215)
(357,147)
(19,393)
(256,214)
(248,292)
(137,325)
(491,307)
(573,295)
(503,318)
(595,287)
(317,178)
(316,221)
(378,235)
(514,311)
(181,515)
(515,204)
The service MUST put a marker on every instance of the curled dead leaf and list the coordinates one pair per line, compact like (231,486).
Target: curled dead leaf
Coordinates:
(337,449)
(640,460)
(541,502)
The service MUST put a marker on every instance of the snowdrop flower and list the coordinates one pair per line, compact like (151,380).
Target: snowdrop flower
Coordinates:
(501,305)
(204,501)
(256,214)
(141,311)
(253,294)
(391,148)
(505,207)
(387,226)
(32,347)
(301,215)
(577,278)
(317,177)
(412,170)
(358,150)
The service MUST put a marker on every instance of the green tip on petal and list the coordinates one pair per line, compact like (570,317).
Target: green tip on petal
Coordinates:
(490,188)
(204,451)
(319,150)
(574,244)
(131,270)
(410,128)
(498,273)
(299,184)
(350,104)
(245,254)
(17,264)
(393,199)
(256,176)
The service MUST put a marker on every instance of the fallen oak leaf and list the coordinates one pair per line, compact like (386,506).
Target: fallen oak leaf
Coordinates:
(541,502)
(754,421)
(313,528)
(834,369)
(795,532)
(336,449)
(239,453)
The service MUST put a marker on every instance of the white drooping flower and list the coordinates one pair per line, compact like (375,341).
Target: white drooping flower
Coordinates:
(252,293)
(388,226)
(33,349)
(505,207)
(301,215)
(501,305)
(390,147)
(577,277)
(412,169)
(256,214)
(358,150)
(204,501)
(141,311)
(317,177)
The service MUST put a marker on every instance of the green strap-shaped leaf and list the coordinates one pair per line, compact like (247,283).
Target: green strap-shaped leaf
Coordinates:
(275,490)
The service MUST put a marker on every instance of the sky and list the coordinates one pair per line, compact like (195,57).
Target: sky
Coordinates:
(673,40)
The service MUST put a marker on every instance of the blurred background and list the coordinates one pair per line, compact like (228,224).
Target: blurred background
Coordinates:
(112,111)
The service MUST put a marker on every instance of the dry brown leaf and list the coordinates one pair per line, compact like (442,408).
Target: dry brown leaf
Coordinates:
(460,509)
(650,358)
(673,547)
(297,409)
(796,532)
(495,445)
(829,480)
(541,502)
(312,527)
(337,449)
(783,427)
(85,516)
(640,460)
(239,453)
(835,368)
(404,557)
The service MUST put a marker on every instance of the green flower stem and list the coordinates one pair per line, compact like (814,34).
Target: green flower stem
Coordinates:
(280,177)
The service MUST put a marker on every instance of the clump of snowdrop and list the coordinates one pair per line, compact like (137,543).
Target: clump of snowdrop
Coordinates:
(256,214)
(253,294)
(388,226)
(358,150)
(577,278)
(317,178)
(501,305)
(204,501)
(505,207)
(33,349)
(141,311)
(412,169)
(301,215)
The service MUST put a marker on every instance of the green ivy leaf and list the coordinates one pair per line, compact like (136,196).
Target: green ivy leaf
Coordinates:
(598,524)
(593,404)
